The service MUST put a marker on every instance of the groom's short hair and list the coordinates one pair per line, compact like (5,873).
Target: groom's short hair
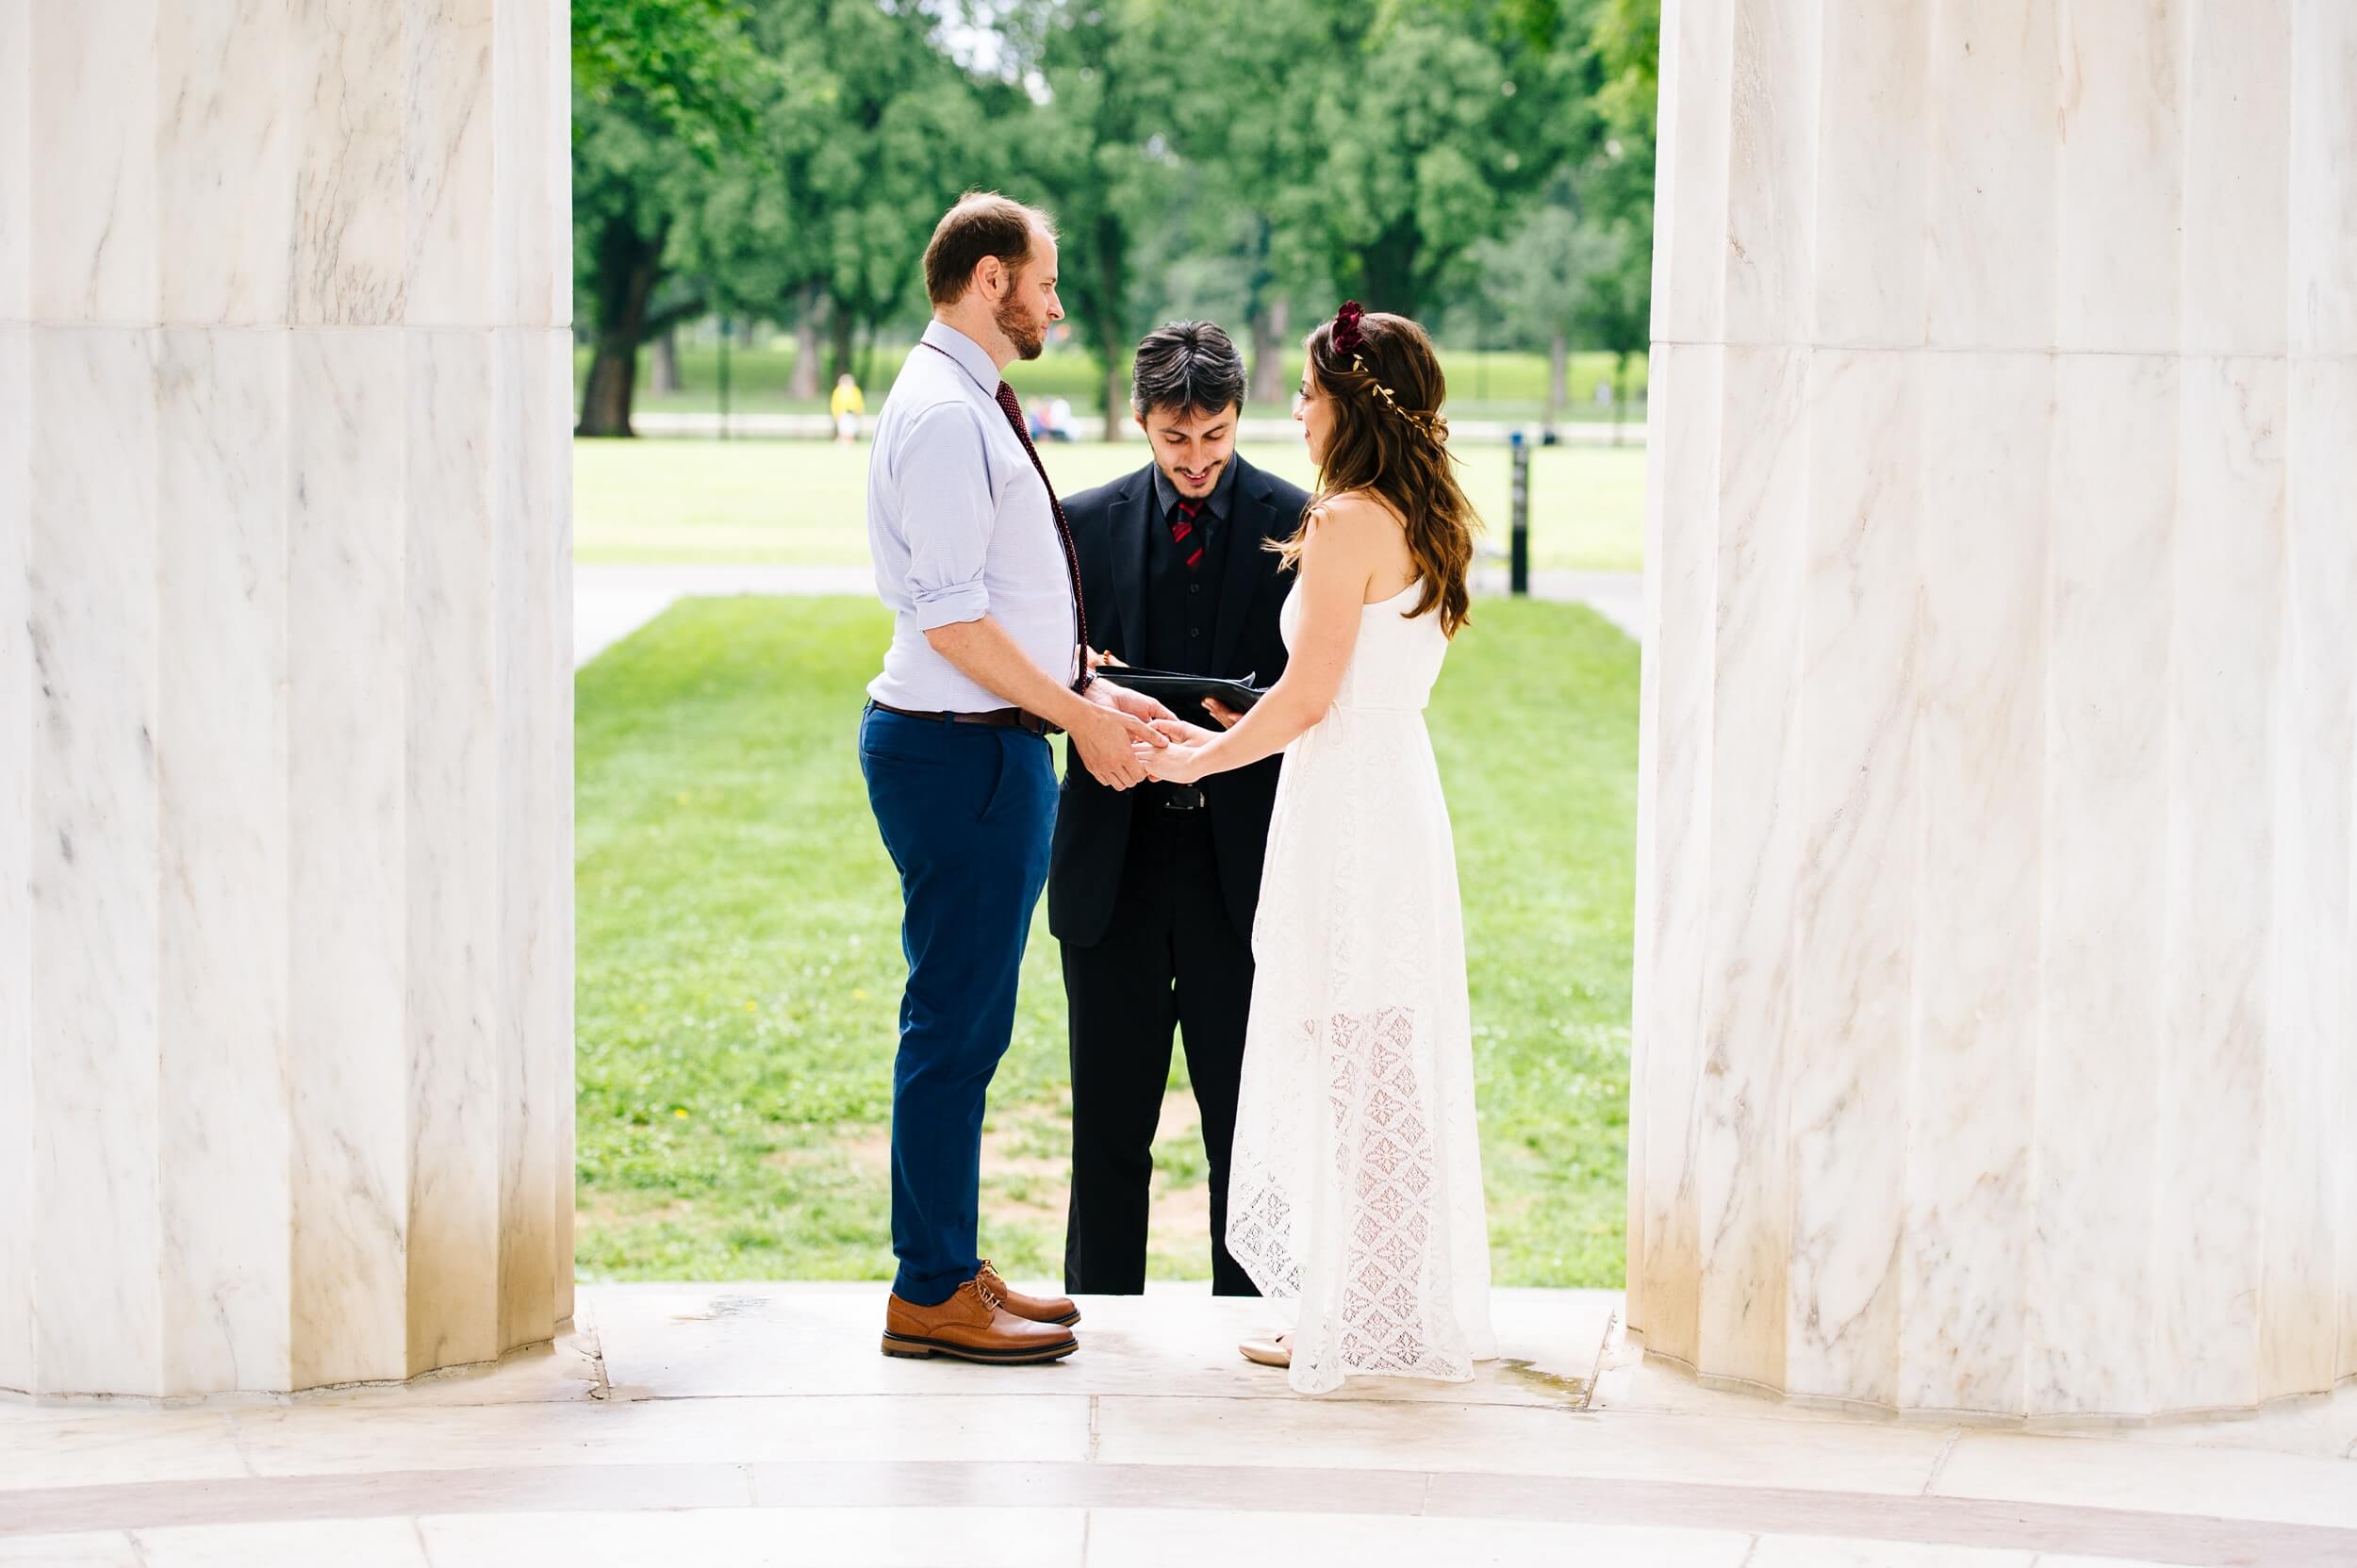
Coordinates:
(983,224)
(1186,367)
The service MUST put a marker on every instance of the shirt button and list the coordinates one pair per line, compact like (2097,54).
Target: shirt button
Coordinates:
(1195,588)
(1195,631)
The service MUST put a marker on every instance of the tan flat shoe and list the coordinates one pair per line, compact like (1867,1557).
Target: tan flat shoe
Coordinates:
(1269,1352)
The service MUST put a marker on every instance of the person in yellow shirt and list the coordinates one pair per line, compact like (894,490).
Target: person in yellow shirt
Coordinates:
(846,405)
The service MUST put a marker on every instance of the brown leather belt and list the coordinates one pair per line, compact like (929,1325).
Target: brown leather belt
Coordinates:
(996,719)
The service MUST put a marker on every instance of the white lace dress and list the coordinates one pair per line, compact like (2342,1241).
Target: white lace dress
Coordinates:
(1354,1191)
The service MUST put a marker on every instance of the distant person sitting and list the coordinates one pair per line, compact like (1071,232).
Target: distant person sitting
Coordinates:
(848,407)
(1060,419)
(1038,415)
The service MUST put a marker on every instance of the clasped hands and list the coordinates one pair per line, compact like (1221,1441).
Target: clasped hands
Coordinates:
(1139,738)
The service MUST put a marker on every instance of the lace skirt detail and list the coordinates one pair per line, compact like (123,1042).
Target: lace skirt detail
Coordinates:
(1355,1189)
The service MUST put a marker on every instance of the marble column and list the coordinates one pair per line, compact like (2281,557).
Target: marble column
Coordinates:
(285,1061)
(1996,1036)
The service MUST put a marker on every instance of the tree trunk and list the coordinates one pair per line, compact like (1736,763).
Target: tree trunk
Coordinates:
(1117,400)
(1620,394)
(666,367)
(1269,343)
(1111,291)
(804,387)
(605,400)
(840,328)
(630,265)
(867,372)
(1559,376)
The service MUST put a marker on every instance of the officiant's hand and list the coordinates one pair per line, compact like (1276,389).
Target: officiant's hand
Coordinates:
(1222,715)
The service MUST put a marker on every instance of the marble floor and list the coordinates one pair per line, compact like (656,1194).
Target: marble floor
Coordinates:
(758,1424)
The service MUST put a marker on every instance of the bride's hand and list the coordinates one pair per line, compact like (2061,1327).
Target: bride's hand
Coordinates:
(1179,733)
(1180,762)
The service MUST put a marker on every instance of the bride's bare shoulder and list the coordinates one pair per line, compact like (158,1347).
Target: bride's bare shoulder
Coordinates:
(1356,515)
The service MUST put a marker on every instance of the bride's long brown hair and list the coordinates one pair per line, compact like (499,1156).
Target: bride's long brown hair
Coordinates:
(1391,441)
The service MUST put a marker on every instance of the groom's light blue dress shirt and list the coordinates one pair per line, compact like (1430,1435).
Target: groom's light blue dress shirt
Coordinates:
(959,526)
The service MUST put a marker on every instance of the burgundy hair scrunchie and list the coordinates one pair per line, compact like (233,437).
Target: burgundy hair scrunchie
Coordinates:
(1348,337)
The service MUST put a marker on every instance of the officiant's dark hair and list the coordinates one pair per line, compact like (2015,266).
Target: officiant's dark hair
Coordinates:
(1391,439)
(1186,367)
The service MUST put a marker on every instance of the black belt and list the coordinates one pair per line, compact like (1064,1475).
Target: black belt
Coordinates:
(1173,797)
(996,719)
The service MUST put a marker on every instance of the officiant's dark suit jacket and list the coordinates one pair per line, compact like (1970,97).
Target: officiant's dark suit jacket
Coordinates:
(1109,526)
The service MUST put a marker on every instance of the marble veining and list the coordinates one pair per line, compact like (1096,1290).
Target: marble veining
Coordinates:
(1995,1017)
(16,164)
(16,849)
(221,782)
(285,710)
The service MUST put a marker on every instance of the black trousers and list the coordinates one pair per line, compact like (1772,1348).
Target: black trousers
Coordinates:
(1170,955)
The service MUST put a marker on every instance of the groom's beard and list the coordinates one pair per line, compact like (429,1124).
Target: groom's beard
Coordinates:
(1027,333)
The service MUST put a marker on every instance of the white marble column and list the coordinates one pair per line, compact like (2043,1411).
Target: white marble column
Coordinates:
(1996,1030)
(285,700)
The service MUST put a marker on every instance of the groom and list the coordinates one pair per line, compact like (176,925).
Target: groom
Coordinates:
(974,558)
(1152,890)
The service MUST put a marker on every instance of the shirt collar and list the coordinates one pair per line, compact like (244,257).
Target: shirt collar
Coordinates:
(1166,493)
(971,357)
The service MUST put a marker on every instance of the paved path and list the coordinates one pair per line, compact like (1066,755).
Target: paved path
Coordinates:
(756,1424)
(611,601)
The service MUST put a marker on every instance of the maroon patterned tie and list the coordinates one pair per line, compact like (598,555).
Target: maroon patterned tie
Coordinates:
(1182,529)
(1012,408)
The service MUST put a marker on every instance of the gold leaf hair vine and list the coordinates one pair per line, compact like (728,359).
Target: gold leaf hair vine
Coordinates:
(1350,340)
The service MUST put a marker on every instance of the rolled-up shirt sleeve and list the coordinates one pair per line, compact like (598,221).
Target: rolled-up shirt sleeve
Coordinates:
(946,510)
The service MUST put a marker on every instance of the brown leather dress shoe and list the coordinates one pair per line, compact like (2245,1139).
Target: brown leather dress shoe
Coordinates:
(1039,1309)
(975,1326)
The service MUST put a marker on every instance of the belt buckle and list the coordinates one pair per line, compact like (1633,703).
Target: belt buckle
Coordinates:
(1181,797)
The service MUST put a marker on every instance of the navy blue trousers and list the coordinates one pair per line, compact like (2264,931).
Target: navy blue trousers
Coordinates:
(966,813)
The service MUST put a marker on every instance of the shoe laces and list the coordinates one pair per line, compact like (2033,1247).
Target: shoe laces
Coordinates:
(989,1293)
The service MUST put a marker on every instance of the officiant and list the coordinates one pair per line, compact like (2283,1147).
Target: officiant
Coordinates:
(1151,891)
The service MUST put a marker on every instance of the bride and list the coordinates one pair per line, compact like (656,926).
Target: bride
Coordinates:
(1355,1189)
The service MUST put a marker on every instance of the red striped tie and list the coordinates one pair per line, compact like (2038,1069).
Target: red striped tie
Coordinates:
(1182,529)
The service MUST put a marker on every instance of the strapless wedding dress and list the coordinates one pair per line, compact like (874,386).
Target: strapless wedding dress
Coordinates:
(1354,1191)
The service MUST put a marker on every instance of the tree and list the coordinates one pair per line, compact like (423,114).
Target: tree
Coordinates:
(1616,297)
(1576,267)
(855,158)
(1435,118)
(663,91)
(902,137)
(1239,124)
(627,185)
(1537,277)
(1102,151)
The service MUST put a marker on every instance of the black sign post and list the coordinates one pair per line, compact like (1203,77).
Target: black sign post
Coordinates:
(1521,569)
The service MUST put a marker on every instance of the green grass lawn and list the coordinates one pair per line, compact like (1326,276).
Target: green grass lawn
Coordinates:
(1491,385)
(739,966)
(806,502)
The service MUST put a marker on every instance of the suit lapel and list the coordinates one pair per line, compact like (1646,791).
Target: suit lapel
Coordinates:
(1247,523)
(1132,515)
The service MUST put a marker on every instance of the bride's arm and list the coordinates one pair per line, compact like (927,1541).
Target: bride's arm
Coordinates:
(1344,549)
